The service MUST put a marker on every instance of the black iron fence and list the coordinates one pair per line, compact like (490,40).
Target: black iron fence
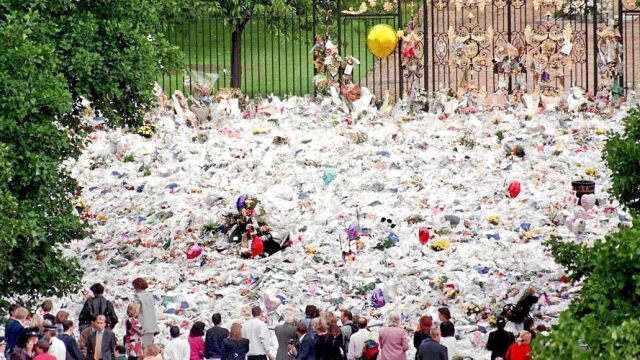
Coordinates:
(455,41)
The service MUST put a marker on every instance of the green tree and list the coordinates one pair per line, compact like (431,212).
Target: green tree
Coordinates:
(604,322)
(238,13)
(110,52)
(36,217)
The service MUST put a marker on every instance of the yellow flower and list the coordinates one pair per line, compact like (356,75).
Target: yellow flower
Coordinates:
(593,172)
(311,251)
(102,217)
(400,33)
(257,131)
(439,245)
(600,131)
(493,219)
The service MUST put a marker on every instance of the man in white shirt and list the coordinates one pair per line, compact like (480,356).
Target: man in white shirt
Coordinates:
(356,342)
(177,349)
(259,337)
(56,346)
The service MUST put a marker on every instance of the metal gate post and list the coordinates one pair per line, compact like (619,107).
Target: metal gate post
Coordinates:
(315,34)
(596,77)
(425,45)
(509,16)
(399,53)
(621,29)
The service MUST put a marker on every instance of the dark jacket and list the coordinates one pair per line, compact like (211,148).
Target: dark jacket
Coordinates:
(418,338)
(328,347)
(498,343)
(12,332)
(235,349)
(431,350)
(214,342)
(73,352)
(108,345)
(306,350)
(284,333)
(97,306)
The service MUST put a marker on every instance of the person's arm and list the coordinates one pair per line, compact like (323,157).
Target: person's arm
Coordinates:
(265,338)
(416,340)
(82,344)
(490,343)
(112,345)
(88,351)
(113,318)
(74,351)
(444,354)
(84,317)
(405,342)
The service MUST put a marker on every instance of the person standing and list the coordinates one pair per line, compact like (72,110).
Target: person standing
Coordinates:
(431,349)
(14,328)
(97,305)
(500,340)
(61,317)
(56,346)
(46,307)
(41,350)
(285,334)
(70,344)
(147,311)
(214,339)
(310,313)
(235,346)
(196,342)
(134,333)
(393,340)
(84,337)
(101,344)
(177,348)
(356,342)
(305,349)
(448,339)
(445,315)
(423,331)
(520,350)
(322,340)
(256,331)
(347,329)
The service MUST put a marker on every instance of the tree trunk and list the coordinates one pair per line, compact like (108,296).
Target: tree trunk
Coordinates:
(236,53)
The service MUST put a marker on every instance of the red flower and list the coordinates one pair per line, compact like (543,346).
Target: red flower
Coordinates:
(409,52)
(564,279)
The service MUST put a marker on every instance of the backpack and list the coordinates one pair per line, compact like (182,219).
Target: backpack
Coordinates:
(371,349)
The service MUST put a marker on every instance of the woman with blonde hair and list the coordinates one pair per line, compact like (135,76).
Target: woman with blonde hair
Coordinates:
(37,321)
(152,352)
(322,338)
(235,346)
(330,318)
(134,333)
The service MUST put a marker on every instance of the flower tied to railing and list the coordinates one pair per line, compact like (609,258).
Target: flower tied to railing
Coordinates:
(549,55)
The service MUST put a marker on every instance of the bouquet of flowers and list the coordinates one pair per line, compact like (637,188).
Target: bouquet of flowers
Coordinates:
(439,245)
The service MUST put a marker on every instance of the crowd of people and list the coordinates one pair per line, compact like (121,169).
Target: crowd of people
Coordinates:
(317,336)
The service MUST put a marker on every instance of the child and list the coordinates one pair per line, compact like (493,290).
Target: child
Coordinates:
(133,337)
(152,352)
(121,352)
(46,307)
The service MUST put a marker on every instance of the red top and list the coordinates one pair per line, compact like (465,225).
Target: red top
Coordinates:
(197,347)
(44,356)
(518,352)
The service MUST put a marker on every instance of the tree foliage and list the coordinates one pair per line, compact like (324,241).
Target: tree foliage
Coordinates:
(110,52)
(604,322)
(51,53)
(622,153)
(36,216)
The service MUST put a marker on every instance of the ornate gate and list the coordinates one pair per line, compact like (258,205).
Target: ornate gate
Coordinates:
(492,46)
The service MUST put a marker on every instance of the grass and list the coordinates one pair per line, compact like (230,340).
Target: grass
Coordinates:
(279,62)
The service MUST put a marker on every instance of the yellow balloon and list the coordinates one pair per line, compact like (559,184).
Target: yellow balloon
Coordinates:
(382,40)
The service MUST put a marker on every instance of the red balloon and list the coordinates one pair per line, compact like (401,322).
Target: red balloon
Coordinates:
(423,235)
(257,246)
(514,189)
